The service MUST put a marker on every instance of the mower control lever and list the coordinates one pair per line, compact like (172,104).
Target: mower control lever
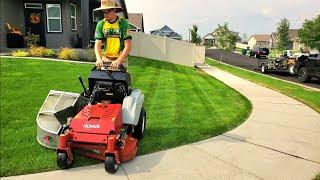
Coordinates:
(84,88)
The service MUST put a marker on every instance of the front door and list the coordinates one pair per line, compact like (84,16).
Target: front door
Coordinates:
(34,21)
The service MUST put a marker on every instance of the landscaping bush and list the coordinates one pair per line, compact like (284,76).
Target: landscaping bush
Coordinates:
(87,55)
(20,53)
(49,53)
(32,39)
(35,51)
(67,54)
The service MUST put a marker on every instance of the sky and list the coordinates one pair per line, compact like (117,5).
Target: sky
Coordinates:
(243,16)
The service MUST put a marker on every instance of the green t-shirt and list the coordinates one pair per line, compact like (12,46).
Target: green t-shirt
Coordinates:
(113,34)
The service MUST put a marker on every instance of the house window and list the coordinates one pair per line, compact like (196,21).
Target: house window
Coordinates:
(54,18)
(33,5)
(73,11)
(167,33)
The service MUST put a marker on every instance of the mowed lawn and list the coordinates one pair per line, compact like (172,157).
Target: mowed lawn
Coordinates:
(302,94)
(183,105)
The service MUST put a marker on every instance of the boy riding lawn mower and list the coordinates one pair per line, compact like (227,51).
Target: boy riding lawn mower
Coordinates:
(104,122)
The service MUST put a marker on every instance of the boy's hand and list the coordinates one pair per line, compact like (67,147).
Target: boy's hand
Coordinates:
(99,63)
(115,64)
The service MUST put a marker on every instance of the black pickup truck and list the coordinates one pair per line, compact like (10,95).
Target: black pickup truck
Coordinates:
(308,67)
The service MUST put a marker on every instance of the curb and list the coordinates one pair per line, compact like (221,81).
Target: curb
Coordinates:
(304,86)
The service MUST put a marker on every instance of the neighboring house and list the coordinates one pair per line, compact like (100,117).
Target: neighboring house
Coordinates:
(211,39)
(60,23)
(136,22)
(208,40)
(258,40)
(272,40)
(293,43)
(166,31)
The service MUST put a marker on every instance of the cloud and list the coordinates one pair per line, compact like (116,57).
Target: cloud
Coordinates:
(243,16)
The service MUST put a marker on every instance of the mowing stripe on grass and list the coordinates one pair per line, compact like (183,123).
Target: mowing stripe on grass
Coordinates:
(183,105)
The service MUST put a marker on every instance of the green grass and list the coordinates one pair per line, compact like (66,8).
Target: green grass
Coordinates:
(183,105)
(317,177)
(304,95)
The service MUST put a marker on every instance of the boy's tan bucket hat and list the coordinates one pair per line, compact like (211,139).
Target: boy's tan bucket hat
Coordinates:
(108,4)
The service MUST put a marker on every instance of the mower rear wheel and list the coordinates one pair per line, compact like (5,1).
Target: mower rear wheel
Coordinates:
(62,161)
(139,129)
(110,164)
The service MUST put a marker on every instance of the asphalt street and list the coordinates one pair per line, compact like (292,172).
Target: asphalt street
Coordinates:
(246,62)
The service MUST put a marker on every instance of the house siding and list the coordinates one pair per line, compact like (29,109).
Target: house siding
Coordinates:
(252,42)
(67,38)
(12,12)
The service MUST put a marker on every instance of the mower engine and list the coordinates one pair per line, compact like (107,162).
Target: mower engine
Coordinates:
(109,126)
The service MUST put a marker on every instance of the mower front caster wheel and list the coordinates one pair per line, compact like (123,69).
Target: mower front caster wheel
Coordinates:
(110,164)
(63,162)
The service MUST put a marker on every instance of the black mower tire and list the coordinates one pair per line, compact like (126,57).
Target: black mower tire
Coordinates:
(303,75)
(110,164)
(141,126)
(62,161)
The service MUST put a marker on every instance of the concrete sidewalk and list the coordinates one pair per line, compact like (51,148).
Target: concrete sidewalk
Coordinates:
(280,140)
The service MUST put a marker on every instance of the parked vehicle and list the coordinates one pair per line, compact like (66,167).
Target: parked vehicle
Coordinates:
(285,63)
(308,67)
(259,52)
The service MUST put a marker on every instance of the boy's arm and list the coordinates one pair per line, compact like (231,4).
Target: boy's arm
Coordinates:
(97,50)
(98,44)
(126,50)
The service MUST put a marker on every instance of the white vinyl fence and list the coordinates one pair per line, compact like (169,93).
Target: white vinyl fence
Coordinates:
(166,49)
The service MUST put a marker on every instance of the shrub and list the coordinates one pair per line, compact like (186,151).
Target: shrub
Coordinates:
(32,39)
(49,53)
(37,51)
(87,55)
(20,53)
(274,53)
(67,54)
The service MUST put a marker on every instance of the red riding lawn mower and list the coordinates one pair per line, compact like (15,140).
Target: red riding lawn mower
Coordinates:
(105,122)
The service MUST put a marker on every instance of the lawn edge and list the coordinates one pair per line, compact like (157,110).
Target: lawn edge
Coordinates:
(304,86)
(266,86)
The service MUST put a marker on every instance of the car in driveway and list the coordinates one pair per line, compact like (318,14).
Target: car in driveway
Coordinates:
(259,52)
(308,67)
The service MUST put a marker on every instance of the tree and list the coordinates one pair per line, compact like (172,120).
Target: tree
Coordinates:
(195,37)
(283,34)
(226,39)
(309,34)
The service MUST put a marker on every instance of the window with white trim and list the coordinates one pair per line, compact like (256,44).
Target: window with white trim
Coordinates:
(73,16)
(54,18)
